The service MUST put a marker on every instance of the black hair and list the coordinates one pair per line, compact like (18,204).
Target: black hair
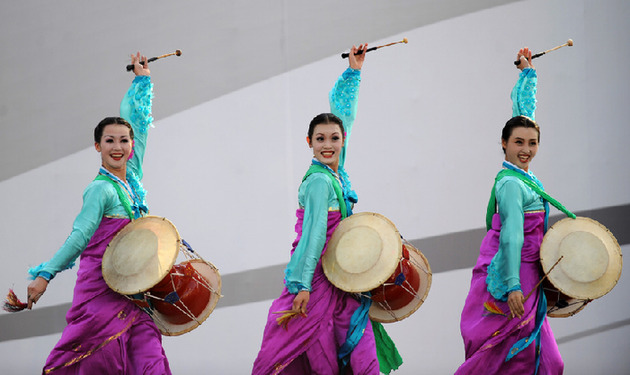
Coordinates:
(98,130)
(325,118)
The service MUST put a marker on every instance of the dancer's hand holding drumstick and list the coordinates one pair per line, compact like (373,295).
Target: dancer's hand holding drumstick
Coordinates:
(515,302)
(357,56)
(140,65)
(524,57)
(300,301)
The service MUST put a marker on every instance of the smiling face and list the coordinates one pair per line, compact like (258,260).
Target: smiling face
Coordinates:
(115,147)
(521,147)
(327,142)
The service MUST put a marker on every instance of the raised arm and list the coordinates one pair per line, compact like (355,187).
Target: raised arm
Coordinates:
(524,91)
(136,108)
(344,96)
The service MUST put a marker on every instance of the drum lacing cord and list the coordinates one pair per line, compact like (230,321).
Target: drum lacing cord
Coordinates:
(563,303)
(172,298)
(405,285)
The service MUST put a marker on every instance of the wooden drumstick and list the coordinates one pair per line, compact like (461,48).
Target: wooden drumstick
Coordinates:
(177,53)
(345,54)
(543,278)
(568,43)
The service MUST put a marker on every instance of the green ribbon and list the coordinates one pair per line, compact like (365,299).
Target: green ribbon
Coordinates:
(388,357)
(508,172)
(336,186)
(121,195)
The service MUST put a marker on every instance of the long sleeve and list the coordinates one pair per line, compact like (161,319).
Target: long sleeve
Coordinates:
(524,94)
(98,198)
(136,107)
(344,100)
(299,271)
(504,269)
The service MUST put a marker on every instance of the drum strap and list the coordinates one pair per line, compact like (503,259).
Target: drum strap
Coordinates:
(533,185)
(335,183)
(123,198)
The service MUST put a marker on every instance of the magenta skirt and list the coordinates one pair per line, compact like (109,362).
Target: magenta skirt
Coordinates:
(489,337)
(106,332)
(309,345)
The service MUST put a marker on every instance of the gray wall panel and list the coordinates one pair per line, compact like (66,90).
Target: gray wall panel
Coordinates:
(63,65)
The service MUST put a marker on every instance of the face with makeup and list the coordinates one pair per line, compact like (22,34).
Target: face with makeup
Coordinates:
(115,147)
(327,142)
(521,147)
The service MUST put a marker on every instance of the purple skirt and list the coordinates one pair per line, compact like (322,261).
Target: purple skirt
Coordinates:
(309,345)
(489,337)
(106,332)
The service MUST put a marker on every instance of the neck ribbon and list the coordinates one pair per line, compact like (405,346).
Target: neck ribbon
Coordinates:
(316,168)
(530,181)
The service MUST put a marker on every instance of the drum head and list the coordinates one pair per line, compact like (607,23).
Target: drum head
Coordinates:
(591,258)
(379,311)
(211,275)
(362,253)
(140,255)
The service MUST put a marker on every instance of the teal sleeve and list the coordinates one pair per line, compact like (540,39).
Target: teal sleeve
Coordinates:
(299,271)
(504,269)
(524,94)
(344,100)
(96,198)
(136,107)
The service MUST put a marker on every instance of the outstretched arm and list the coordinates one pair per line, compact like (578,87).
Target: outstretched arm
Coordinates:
(95,201)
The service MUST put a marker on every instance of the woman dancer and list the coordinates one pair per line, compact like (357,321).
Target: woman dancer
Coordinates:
(312,337)
(503,331)
(106,332)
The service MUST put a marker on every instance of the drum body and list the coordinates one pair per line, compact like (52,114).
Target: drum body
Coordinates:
(186,297)
(582,261)
(140,264)
(406,289)
(401,287)
(181,295)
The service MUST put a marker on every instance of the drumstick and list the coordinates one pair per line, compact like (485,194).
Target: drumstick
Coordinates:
(177,52)
(543,278)
(568,43)
(345,54)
